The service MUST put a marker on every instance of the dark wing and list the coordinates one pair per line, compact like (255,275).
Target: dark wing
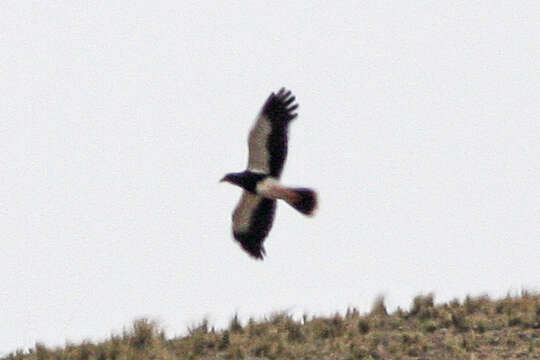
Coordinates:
(268,137)
(252,220)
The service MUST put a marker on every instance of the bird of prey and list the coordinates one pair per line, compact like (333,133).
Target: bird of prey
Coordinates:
(253,216)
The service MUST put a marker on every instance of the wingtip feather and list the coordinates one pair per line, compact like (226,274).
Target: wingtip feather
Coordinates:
(253,248)
(280,106)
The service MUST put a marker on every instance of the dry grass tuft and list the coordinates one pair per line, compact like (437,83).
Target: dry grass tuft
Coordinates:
(477,328)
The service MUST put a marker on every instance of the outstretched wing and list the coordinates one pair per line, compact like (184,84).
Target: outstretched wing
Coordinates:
(252,220)
(268,137)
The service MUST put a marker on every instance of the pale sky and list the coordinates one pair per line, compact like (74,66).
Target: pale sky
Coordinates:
(419,125)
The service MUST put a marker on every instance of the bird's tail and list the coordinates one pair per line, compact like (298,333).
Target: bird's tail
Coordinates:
(303,200)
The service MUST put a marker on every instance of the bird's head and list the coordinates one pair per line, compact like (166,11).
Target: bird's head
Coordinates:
(233,178)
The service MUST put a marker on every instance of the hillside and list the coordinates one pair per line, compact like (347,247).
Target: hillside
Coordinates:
(477,328)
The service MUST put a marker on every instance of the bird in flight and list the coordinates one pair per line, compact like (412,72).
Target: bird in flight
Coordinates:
(253,216)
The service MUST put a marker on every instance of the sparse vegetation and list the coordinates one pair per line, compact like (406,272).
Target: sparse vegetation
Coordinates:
(477,328)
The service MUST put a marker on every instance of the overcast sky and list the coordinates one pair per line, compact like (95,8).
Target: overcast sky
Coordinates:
(419,125)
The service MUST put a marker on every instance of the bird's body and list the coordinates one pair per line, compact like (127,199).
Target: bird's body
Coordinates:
(254,214)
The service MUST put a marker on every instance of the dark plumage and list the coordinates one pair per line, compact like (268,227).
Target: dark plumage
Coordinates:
(254,214)
(251,240)
(277,108)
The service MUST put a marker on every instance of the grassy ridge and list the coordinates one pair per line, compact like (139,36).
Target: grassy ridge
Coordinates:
(477,328)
